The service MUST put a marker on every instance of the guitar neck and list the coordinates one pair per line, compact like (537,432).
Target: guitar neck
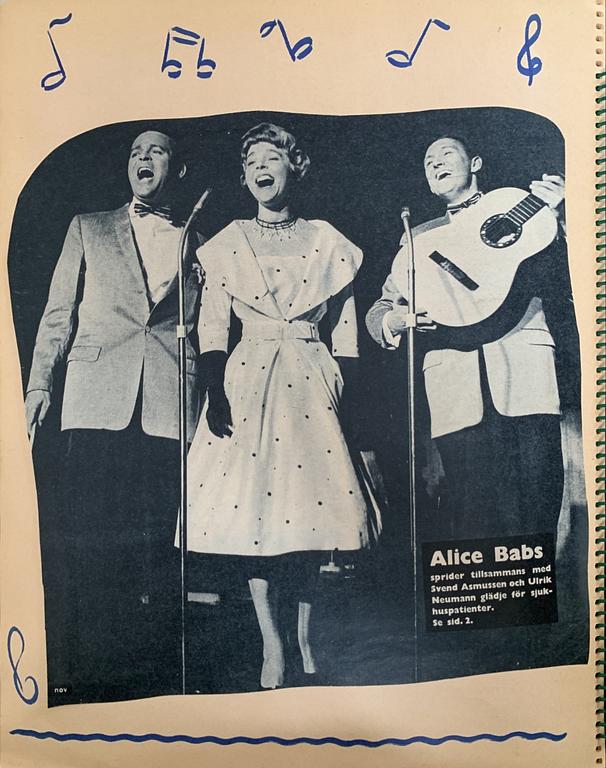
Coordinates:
(525,209)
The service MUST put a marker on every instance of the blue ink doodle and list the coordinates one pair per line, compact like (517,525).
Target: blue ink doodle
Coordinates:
(299,50)
(533,63)
(204,66)
(406,60)
(62,76)
(12,632)
(292,742)
(210,64)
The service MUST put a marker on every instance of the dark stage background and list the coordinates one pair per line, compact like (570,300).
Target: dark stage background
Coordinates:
(363,170)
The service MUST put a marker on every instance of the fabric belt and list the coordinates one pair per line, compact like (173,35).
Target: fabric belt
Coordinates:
(287,329)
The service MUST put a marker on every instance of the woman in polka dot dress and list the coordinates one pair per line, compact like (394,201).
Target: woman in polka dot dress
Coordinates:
(269,472)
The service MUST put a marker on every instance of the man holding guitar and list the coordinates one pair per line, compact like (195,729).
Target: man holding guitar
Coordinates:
(489,368)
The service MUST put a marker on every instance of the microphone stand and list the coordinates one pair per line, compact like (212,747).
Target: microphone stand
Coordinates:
(411,324)
(181,339)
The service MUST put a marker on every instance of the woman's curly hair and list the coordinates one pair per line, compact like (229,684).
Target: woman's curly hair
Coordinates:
(280,138)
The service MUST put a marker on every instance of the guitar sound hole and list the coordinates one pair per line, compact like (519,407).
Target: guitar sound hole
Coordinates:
(499,231)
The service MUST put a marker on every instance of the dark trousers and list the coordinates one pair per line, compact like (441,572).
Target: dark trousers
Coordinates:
(504,477)
(122,503)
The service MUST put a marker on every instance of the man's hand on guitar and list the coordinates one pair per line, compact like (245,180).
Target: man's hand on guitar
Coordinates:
(397,319)
(550,190)
(424,322)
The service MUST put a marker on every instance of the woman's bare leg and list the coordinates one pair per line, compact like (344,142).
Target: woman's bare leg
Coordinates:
(272,673)
(309,665)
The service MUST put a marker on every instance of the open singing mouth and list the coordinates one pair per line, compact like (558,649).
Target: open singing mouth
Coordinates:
(145,173)
(265,180)
(442,175)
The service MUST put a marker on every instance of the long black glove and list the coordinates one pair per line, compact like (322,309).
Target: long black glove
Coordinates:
(218,414)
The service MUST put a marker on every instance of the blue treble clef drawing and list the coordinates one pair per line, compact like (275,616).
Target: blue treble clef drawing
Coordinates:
(401,59)
(58,76)
(533,63)
(299,50)
(12,633)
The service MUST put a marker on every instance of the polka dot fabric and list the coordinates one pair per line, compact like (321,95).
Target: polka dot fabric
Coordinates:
(284,481)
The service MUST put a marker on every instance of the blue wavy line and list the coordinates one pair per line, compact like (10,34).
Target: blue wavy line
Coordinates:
(66,20)
(315,742)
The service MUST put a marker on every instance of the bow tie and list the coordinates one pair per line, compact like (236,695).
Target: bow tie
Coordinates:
(142,209)
(465,204)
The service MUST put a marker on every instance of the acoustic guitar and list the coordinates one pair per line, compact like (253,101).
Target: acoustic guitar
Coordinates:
(465,269)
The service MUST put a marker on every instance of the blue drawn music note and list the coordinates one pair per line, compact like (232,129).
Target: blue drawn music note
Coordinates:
(406,60)
(299,50)
(47,83)
(533,63)
(204,66)
(16,632)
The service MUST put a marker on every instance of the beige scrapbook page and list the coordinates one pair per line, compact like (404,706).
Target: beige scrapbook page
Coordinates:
(298,383)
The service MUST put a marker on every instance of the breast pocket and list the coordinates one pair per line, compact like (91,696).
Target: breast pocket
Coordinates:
(432,358)
(85,354)
(537,336)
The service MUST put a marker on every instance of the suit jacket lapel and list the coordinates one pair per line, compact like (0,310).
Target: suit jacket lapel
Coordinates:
(125,243)
(187,265)
(399,268)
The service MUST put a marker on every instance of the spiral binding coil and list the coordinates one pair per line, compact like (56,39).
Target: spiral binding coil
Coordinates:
(600,198)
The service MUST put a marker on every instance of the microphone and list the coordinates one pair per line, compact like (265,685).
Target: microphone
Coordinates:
(181,330)
(410,298)
(202,201)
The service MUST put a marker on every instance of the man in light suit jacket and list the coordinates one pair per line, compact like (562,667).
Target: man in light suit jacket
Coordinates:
(111,317)
(493,400)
